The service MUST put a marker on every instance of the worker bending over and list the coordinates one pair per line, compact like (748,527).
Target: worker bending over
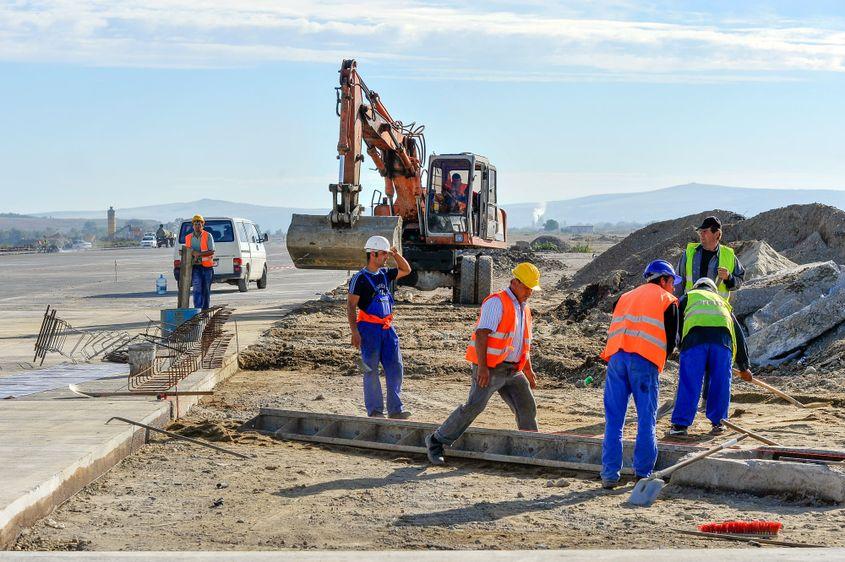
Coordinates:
(501,361)
(369,309)
(201,243)
(641,335)
(711,339)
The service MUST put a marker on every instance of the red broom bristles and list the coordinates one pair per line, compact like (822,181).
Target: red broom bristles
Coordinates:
(759,528)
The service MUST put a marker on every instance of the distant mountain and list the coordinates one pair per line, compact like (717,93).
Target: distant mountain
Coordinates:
(269,218)
(667,203)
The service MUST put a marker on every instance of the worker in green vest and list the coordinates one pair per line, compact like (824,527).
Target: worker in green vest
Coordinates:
(711,341)
(710,259)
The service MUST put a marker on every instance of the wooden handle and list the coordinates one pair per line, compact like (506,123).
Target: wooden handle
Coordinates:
(775,391)
(699,456)
(751,434)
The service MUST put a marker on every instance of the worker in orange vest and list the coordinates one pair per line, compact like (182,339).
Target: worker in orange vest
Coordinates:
(501,361)
(201,243)
(641,335)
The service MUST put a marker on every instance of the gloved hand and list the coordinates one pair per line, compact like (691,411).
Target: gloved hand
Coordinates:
(745,375)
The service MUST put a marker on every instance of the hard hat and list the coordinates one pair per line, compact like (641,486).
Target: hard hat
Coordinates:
(706,283)
(660,268)
(528,274)
(198,218)
(377,244)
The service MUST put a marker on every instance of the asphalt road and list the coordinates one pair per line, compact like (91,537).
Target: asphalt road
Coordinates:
(115,289)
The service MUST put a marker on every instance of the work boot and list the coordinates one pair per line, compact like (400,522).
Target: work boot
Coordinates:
(435,450)
(609,484)
(717,429)
(376,414)
(403,415)
(678,430)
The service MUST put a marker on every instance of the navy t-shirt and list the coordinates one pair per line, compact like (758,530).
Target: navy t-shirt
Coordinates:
(358,285)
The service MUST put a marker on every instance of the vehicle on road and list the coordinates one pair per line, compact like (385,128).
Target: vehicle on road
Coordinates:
(149,240)
(240,256)
(82,245)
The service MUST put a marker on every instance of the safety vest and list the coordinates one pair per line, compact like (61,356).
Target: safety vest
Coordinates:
(637,325)
(706,309)
(207,261)
(727,259)
(500,342)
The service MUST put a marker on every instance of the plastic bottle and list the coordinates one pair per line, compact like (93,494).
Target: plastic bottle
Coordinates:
(588,381)
(161,285)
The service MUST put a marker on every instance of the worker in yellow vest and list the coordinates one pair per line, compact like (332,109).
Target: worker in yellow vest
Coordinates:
(641,335)
(710,258)
(501,361)
(201,243)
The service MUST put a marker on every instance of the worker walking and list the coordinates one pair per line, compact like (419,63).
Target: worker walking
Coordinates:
(369,310)
(709,258)
(711,340)
(641,335)
(501,361)
(201,243)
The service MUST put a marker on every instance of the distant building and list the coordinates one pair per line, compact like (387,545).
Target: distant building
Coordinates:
(578,229)
(112,223)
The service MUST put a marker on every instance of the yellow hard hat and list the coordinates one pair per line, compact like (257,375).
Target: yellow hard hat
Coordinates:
(198,218)
(528,274)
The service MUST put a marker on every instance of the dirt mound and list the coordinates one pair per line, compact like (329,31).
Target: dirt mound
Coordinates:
(661,240)
(219,432)
(549,244)
(505,260)
(595,296)
(759,258)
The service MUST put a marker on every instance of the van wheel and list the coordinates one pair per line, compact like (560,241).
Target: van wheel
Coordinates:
(243,282)
(262,283)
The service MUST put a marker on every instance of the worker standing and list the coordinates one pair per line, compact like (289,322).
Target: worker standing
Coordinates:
(501,361)
(369,310)
(641,335)
(201,243)
(710,258)
(711,339)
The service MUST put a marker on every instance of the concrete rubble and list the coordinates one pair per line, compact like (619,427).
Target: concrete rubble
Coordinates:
(760,259)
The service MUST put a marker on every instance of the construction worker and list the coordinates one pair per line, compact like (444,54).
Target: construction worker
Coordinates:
(711,340)
(501,361)
(369,309)
(455,194)
(640,337)
(710,259)
(201,243)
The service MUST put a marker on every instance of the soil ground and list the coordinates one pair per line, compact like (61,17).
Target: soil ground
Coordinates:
(176,496)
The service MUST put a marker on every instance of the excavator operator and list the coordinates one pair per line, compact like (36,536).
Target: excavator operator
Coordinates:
(455,195)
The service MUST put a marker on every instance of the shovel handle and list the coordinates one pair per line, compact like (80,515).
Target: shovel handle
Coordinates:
(699,456)
(775,391)
(751,434)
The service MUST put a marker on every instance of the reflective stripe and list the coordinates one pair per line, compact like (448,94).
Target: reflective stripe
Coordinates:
(704,313)
(496,351)
(645,319)
(497,335)
(637,334)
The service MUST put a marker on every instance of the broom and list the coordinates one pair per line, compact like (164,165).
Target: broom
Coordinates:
(760,529)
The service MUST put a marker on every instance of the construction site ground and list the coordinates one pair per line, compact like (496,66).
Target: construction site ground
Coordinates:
(291,495)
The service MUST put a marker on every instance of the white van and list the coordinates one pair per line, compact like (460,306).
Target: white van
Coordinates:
(239,252)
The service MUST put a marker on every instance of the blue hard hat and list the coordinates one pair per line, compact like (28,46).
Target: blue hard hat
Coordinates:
(660,268)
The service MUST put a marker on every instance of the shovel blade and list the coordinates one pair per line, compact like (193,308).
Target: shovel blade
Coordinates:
(646,491)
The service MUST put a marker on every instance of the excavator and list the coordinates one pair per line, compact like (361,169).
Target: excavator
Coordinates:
(441,218)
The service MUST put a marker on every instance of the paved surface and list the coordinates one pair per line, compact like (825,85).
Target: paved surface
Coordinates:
(84,289)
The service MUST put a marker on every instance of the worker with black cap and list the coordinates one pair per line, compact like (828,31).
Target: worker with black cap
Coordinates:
(709,258)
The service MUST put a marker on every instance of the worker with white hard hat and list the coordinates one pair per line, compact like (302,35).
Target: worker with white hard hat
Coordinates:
(369,309)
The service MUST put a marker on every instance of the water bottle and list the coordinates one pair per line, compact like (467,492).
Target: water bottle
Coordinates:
(161,285)
(588,381)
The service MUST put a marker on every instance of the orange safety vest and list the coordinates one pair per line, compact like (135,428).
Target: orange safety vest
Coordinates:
(207,261)
(500,342)
(637,325)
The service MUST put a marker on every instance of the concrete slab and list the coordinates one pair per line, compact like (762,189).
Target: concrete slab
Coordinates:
(24,383)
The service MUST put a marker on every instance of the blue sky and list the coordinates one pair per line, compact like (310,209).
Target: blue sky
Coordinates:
(132,103)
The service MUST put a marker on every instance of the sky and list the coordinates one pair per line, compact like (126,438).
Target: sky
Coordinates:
(136,103)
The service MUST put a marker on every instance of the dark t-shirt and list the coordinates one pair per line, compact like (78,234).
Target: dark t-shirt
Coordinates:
(706,256)
(358,285)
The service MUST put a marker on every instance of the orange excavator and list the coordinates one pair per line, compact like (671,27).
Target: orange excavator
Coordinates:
(441,226)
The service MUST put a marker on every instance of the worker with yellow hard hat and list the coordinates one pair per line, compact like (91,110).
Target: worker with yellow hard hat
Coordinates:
(201,243)
(501,361)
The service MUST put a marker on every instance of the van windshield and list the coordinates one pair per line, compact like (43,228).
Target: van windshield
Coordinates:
(220,230)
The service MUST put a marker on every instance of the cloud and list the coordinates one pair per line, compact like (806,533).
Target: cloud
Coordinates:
(426,40)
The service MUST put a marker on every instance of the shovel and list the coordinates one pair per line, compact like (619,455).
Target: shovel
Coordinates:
(647,489)
(782,394)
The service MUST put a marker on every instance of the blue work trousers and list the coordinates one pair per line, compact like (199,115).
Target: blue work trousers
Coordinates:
(381,346)
(715,360)
(201,285)
(629,374)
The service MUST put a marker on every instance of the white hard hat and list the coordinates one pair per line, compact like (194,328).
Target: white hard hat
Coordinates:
(377,243)
(705,283)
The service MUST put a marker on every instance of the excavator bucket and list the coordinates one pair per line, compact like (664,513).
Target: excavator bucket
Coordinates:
(313,243)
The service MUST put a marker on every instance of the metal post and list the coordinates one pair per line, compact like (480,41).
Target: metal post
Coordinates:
(185,267)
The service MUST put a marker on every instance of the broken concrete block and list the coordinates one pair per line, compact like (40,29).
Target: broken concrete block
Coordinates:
(760,259)
(809,281)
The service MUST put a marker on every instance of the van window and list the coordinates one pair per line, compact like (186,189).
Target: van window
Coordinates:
(253,233)
(245,234)
(221,230)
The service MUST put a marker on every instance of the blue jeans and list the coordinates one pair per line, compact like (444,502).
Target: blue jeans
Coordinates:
(381,346)
(715,360)
(629,374)
(201,285)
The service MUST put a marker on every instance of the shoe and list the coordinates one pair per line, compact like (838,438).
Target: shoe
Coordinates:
(376,414)
(678,430)
(717,429)
(435,450)
(403,415)
(609,484)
